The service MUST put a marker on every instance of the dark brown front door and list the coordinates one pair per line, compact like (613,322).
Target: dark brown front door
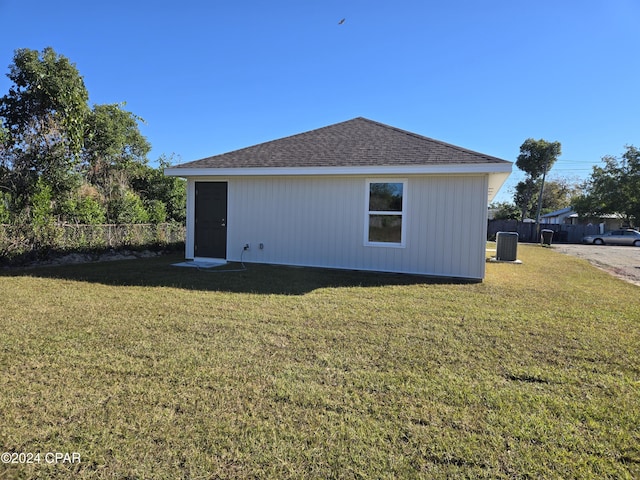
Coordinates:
(211,220)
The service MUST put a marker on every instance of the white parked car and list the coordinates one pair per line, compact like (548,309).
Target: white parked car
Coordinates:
(615,237)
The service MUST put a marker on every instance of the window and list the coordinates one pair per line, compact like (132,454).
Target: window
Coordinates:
(385,207)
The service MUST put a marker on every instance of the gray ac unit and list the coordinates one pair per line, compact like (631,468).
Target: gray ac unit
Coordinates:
(507,246)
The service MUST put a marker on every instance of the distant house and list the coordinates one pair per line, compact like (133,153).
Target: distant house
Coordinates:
(567,216)
(355,195)
(562,216)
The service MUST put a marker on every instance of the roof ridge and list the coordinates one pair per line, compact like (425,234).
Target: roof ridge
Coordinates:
(358,141)
(286,137)
(424,137)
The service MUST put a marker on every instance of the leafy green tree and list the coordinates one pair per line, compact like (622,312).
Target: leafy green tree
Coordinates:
(112,144)
(157,211)
(41,204)
(5,165)
(558,193)
(524,196)
(89,211)
(504,211)
(43,119)
(152,184)
(41,217)
(84,206)
(61,161)
(535,160)
(127,208)
(613,188)
(5,211)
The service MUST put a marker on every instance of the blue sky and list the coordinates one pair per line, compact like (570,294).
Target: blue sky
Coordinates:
(213,76)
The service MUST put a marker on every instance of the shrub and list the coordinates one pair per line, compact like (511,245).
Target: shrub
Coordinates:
(127,208)
(157,212)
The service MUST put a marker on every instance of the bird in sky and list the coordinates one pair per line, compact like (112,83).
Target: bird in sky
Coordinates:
(341,21)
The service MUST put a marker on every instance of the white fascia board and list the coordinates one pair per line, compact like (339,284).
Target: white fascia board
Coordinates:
(473,168)
(496,180)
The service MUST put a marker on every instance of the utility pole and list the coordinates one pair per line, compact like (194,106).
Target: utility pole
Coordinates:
(544,175)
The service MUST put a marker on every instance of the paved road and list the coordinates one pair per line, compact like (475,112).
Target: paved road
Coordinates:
(623,262)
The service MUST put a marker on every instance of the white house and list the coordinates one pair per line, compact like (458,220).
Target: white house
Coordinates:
(564,215)
(355,195)
(567,216)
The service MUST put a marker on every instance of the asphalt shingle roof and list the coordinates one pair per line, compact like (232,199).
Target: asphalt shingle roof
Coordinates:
(356,142)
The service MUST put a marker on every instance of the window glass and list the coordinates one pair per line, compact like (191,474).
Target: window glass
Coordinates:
(385,228)
(385,213)
(385,197)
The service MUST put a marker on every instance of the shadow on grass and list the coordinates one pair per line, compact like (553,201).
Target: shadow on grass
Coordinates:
(257,278)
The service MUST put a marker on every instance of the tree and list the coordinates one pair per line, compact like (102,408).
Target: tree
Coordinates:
(40,214)
(127,208)
(535,160)
(524,196)
(613,189)
(5,212)
(85,206)
(152,184)
(504,211)
(61,160)
(157,212)
(112,144)
(43,119)
(558,193)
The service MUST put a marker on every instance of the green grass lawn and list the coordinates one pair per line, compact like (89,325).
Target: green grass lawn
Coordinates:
(152,371)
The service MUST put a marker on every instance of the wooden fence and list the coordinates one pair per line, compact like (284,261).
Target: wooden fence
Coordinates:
(527,232)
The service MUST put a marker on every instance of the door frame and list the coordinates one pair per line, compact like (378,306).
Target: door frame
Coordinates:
(192,243)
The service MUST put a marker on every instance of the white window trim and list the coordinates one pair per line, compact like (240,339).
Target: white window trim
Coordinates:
(403,213)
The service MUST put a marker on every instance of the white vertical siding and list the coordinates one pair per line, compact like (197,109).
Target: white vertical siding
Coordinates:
(319,221)
(299,220)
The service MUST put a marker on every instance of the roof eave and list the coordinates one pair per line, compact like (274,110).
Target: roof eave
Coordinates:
(496,180)
(474,168)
